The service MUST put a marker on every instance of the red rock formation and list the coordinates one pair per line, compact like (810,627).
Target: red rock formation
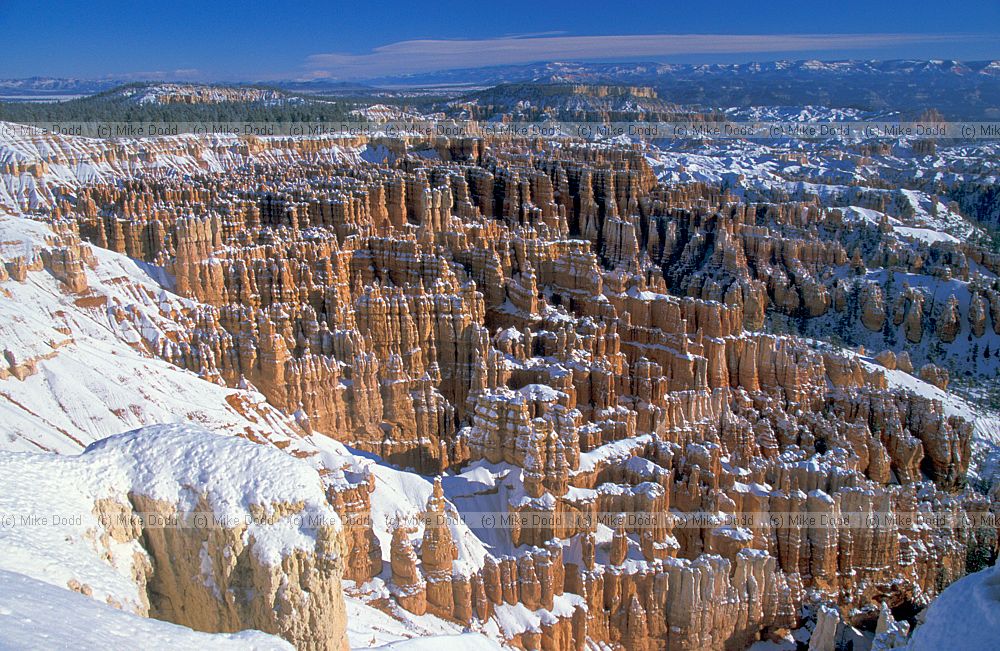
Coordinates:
(590,336)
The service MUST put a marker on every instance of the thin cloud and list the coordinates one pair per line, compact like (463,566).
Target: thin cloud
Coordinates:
(534,34)
(179,74)
(431,55)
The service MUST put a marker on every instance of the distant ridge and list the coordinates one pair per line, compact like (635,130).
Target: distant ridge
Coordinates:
(556,71)
(957,89)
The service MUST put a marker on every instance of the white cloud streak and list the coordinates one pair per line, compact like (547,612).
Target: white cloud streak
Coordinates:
(431,55)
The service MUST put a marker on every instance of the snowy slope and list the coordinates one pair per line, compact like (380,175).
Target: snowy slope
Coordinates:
(467,642)
(374,620)
(49,161)
(90,381)
(36,615)
(966,615)
(199,94)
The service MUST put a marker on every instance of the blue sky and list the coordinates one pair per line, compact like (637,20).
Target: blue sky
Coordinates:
(269,40)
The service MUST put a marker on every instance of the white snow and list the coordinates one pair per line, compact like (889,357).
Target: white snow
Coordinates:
(966,615)
(54,535)
(72,160)
(374,620)
(466,642)
(97,379)
(36,615)
(925,234)
(179,464)
(541,392)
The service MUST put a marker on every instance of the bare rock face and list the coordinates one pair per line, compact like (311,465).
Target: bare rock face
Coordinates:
(903,362)
(994,299)
(935,375)
(873,310)
(364,553)
(241,591)
(437,551)
(978,308)
(949,321)
(824,637)
(887,358)
(260,584)
(910,312)
(407,580)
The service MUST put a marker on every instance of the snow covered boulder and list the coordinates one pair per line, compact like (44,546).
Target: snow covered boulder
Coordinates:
(211,532)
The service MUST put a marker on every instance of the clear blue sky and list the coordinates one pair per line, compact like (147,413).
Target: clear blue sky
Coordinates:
(315,38)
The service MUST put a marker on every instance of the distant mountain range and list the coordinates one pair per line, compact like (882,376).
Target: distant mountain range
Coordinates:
(55,86)
(958,89)
(645,72)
